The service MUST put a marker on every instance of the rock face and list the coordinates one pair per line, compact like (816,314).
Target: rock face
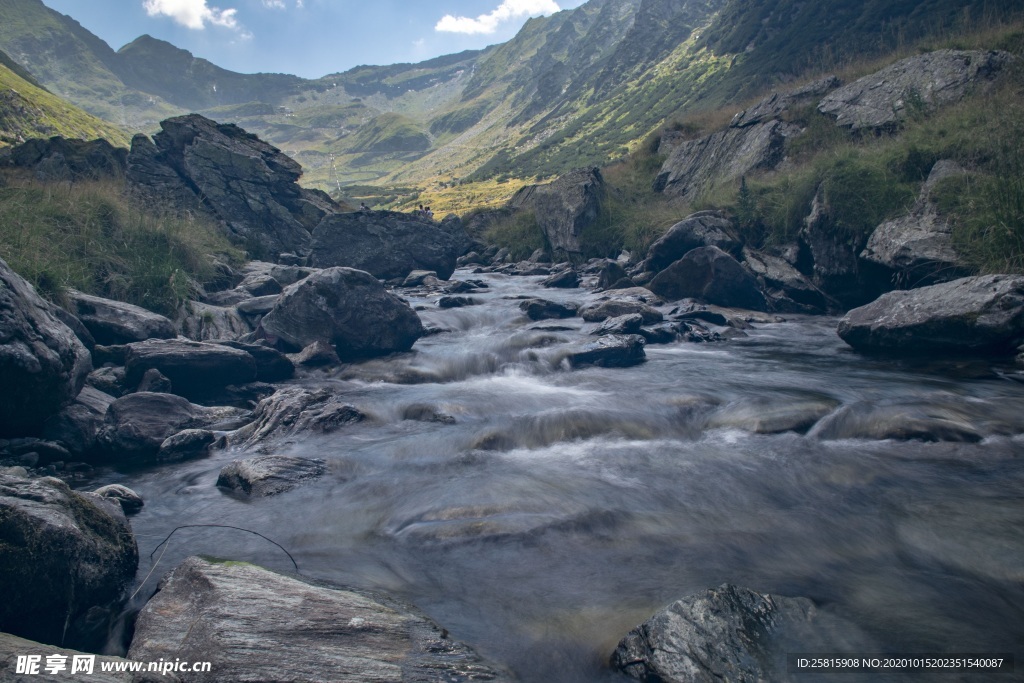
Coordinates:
(923,82)
(224,613)
(62,554)
(196,369)
(730,634)
(564,208)
(113,322)
(249,185)
(385,244)
(68,159)
(972,314)
(836,269)
(775,105)
(43,365)
(917,249)
(702,229)
(695,166)
(347,308)
(268,475)
(711,276)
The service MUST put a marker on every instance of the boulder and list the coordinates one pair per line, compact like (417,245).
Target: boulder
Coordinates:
(125,497)
(916,249)
(696,166)
(542,309)
(972,314)
(787,288)
(224,612)
(731,634)
(710,275)
(562,279)
(196,369)
(916,84)
(610,351)
(347,308)
(246,183)
(775,105)
(613,308)
(772,416)
(316,354)
(257,307)
(702,229)
(919,422)
(611,274)
(113,322)
(268,475)
(43,365)
(836,268)
(456,301)
(295,411)
(13,647)
(77,425)
(271,364)
(204,322)
(59,158)
(66,560)
(386,244)
(137,424)
(565,208)
(623,324)
(186,445)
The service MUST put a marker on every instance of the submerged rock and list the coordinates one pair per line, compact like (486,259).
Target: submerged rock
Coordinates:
(223,613)
(922,422)
(293,411)
(268,475)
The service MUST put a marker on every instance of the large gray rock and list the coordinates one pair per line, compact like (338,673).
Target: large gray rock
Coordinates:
(696,166)
(917,249)
(196,369)
(386,244)
(59,158)
(115,322)
(76,426)
(972,314)
(66,560)
(731,634)
(204,322)
(787,289)
(13,647)
(711,276)
(775,105)
(612,308)
(344,307)
(609,351)
(224,613)
(564,208)
(268,475)
(922,83)
(43,365)
(249,185)
(702,229)
(295,410)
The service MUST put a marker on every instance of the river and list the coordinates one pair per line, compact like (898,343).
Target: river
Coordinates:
(563,506)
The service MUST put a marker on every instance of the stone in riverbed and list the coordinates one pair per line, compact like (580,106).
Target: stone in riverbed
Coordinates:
(601,311)
(710,275)
(623,324)
(294,411)
(610,351)
(923,422)
(196,369)
(563,279)
(542,309)
(124,496)
(268,475)
(225,612)
(13,647)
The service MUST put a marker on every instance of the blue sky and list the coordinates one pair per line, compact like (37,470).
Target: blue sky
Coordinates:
(309,38)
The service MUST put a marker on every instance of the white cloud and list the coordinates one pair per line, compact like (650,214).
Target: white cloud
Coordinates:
(273,4)
(194,14)
(488,23)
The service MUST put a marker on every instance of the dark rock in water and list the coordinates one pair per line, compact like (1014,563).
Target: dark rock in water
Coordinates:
(66,560)
(348,308)
(61,158)
(195,369)
(772,416)
(187,444)
(564,279)
(731,634)
(137,424)
(456,301)
(249,185)
(565,208)
(611,274)
(610,351)
(386,244)
(702,229)
(613,308)
(420,278)
(77,425)
(421,412)
(316,354)
(623,324)
(271,364)
(114,322)
(125,497)
(922,422)
(293,411)
(154,381)
(268,475)
(542,309)
(43,365)
(920,83)
(666,333)
(973,314)
(710,275)
(13,647)
(204,611)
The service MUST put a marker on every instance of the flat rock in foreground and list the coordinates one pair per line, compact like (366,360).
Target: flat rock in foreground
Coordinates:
(268,475)
(255,625)
(12,647)
(972,314)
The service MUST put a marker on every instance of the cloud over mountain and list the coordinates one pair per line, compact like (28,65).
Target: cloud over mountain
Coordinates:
(488,23)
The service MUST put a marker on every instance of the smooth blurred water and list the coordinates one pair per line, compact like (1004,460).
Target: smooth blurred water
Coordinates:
(564,506)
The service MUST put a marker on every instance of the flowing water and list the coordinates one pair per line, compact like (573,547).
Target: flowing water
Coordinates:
(562,507)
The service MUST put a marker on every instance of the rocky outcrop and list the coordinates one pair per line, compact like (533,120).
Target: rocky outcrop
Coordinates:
(249,185)
(114,322)
(295,411)
(709,275)
(775,105)
(344,307)
(702,229)
(917,249)
(386,244)
(66,559)
(195,369)
(915,84)
(836,269)
(224,612)
(972,314)
(60,158)
(43,365)
(696,166)
(731,634)
(268,475)
(786,288)
(564,209)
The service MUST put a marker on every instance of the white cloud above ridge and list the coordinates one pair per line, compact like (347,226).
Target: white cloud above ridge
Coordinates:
(488,23)
(193,14)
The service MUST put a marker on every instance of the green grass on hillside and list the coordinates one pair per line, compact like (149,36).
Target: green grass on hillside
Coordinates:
(90,237)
